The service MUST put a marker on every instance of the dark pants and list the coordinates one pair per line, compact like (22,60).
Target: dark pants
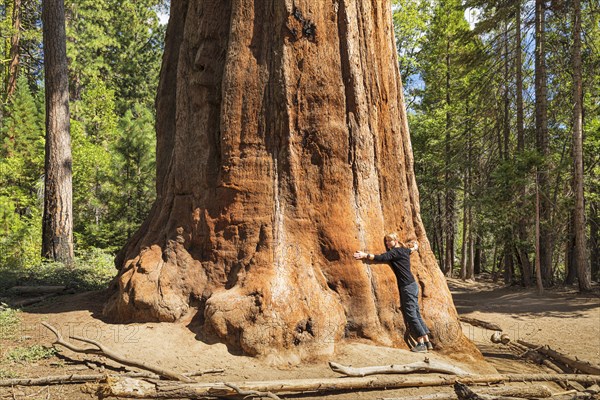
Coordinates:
(409,297)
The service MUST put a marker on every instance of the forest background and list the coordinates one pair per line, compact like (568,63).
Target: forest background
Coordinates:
(481,139)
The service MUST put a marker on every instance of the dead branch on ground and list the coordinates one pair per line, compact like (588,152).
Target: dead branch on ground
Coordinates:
(32,300)
(426,365)
(108,353)
(37,289)
(252,393)
(531,391)
(577,364)
(135,388)
(82,378)
(480,323)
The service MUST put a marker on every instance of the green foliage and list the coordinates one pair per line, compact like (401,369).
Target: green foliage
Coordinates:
(120,42)
(116,54)
(30,354)
(114,50)
(21,182)
(466,104)
(9,322)
(136,166)
(93,129)
(93,269)
(411,18)
(136,60)
(4,374)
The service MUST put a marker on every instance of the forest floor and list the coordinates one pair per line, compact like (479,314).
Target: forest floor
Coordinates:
(561,318)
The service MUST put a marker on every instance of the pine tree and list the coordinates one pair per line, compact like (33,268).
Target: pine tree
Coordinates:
(135,160)
(57,223)
(21,172)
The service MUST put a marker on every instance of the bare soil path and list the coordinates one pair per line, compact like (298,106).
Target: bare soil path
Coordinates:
(562,319)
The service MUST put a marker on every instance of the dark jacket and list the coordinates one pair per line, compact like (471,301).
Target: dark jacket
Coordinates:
(399,259)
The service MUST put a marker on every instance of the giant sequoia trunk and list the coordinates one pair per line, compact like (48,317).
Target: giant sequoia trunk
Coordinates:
(282,148)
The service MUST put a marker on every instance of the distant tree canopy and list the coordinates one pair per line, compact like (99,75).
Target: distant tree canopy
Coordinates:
(471,110)
(471,92)
(114,50)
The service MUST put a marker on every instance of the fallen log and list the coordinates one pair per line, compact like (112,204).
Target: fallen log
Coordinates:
(480,323)
(539,358)
(82,378)
(31,300)
(106,352)
(427,365)
(139,389)
(36,289)
(524,350)
(463,392)
(580,365)
(251,393)
(54,380)
(535,391)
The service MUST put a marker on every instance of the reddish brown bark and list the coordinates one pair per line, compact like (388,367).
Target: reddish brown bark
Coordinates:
(57,223)
(13,66)
(580,250)
(283,147)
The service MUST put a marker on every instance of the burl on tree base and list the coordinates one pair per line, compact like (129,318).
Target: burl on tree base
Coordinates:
(282,147)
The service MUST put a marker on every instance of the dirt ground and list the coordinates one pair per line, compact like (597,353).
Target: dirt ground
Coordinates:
(561,318)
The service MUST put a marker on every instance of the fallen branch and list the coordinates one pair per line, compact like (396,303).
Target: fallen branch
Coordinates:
(252,392)
(53,380)
(36,289)
(536,391)
(539,358)
(106,352)
(582,366)
(135,388)
(31,300)
(464,393)
(480,323)
(73,378)
(422,366)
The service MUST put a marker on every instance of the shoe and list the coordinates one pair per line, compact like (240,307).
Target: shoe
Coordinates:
(419,348)
(429,345)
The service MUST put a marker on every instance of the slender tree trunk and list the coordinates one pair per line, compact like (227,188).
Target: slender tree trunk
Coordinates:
(440,233)
(519,81)
(13,66)
(508,253)
(538,268)
(508,263)
(506,96)
(465,244)
(522,223)
(477,260)
(57,224)
(580,256)
(541,128)
(469,262)
(471,252)
(495,264)
(594,221)
(450,195)
(570,263)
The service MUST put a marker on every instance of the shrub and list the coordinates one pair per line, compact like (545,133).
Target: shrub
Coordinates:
(9,322)
(30,354)
(93,269)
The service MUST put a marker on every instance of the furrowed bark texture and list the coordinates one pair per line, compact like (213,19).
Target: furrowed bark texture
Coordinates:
(283,147)
(57,222)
